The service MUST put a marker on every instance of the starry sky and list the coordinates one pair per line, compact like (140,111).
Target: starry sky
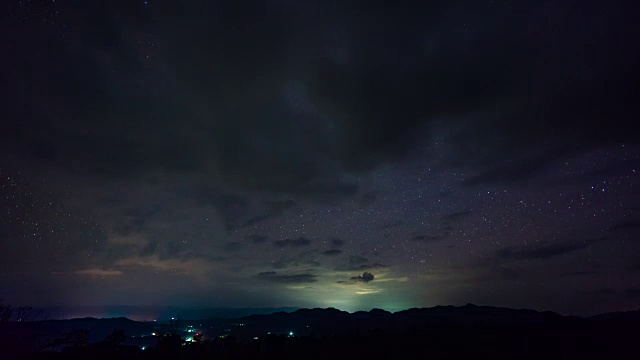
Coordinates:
(352,154)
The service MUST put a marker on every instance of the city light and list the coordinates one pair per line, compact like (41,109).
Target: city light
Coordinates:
(290,333)
(143,348)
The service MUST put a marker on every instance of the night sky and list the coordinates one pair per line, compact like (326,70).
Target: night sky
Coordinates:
(348,154)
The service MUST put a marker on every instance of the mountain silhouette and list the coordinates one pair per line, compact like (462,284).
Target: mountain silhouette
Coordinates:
(439,332)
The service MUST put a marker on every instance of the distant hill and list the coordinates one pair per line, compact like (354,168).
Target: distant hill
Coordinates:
(626,316)
(336,322)
(439,324)
(35,334)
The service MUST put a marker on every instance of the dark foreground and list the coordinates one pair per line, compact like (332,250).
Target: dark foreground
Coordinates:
(436,333)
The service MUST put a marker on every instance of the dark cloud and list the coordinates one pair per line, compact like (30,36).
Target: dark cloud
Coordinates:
(618,166)
(165,250)
(252,114)
(373,266)
(628,225)
(231,208)
(130,227)
(273,209)
(368,198)
(168,250)
(134,219)
(232,246)
(294,243)
(239,211)
(258,239)
(336,242)
(605,291)
(273,276)
(392,225)
(296,262)
(150,248)
(332,252)
(365,278)
(291,107)
(357,260)
(512,273)
(514,170)
(544,251)
(458,215)
(427,238)
(633,293)
(358,263)
(267,273)
(580,273)
(324,190)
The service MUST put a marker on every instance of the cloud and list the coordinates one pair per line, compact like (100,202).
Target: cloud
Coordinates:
(368,291)
(258,239)
(332,252)
(231,208)
(98,272)
(427,238)
(362,284)
(514,170)
(633,293)
(302,261)
(512,273)
(359,263)
(357,260)
(458,215)
(368,198)
(134,219)
(232,246)
(343,106)
(273,209)
(239,211)
(544,251)
(128,228)
(167,250)
(373,266)
(392,225)
(365,277)
(580,273)
(269,118)
(273,276)
(195,265)
(293,243)
(336,242)
(605,291)
(626,226)
(267,273)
